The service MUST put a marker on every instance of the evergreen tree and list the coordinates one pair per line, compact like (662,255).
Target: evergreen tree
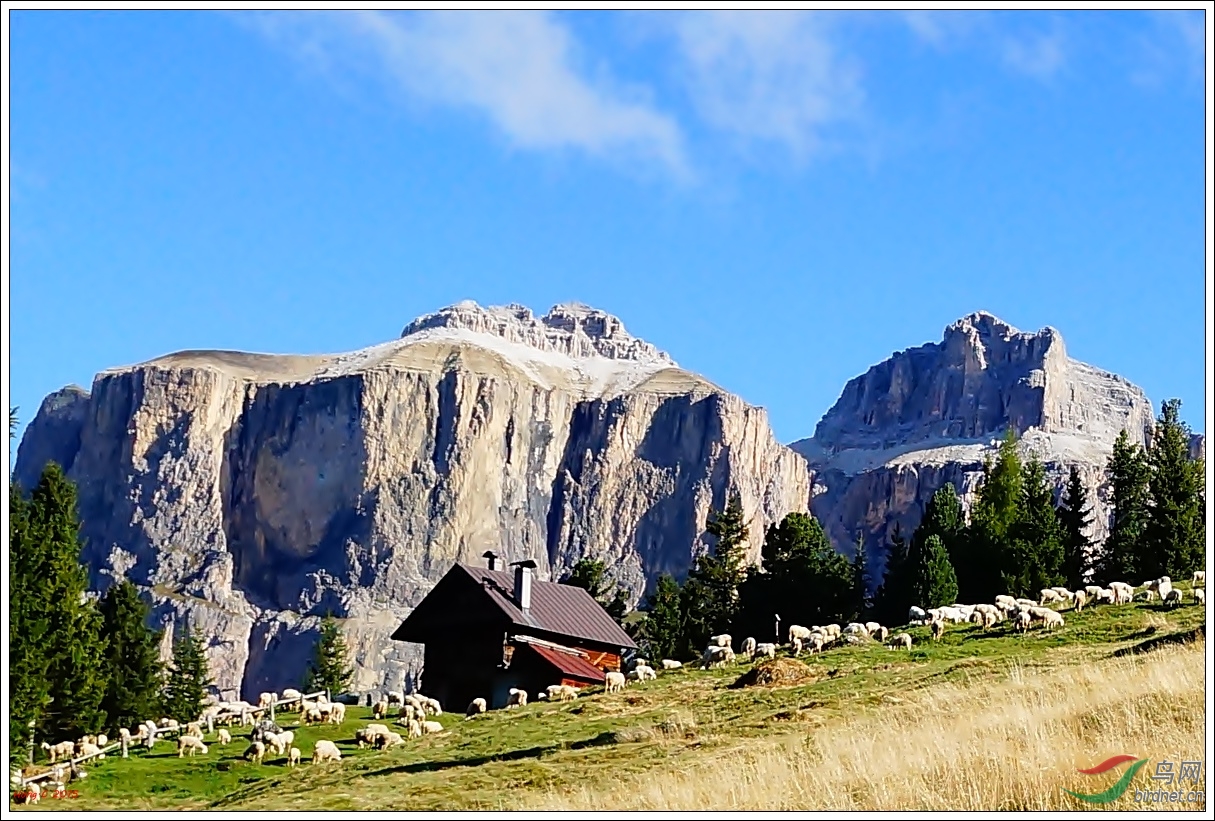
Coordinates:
(892,601)
(1075,518)
(710,594)
(983,554)
(1035,557)
(803,578)
(12,423)
(187,680)
(860,578)
(589,575)
(933,582)
(1128,475)
(662,629)
(72,644)
(28,685)
(329,669)
(133,667)
(1174,536)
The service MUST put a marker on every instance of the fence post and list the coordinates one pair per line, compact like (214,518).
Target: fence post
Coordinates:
(210,723)
(124,746)
(272,711)
(31,726)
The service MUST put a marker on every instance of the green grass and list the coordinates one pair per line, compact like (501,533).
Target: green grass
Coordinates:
(681,718)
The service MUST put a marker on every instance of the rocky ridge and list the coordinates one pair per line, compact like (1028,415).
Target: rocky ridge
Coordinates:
(252,493)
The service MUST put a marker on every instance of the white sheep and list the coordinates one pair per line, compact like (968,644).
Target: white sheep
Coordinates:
(379,709)
(1063,592)
(192,744)
(286,738)
(1022,620)
(872,627)
(856,629)
(796,631)
(1200,595)
(193,728)
(31,793)
(716,656)
(748,647)
(1173,598)
(1104,596)
(395,697)
(1004,601)
(101,739)
(89,749)
(901,640)
(385,740)
(433,707)
(223,737)
(722,640)
(1052,619)
(516,698)
(1079,598)
(256,752)
(643,673)
(475,707)
(64,749)
(671,664)
(767,649)
(817,641)
(290,694)
(916,615)
(1200,578)
(293,756)
(938,629)
(337,712)
(796,646)
(266,699)
(274,743)
(614,682)
(325,750)
(1091,590)
(983,618)
(881,633)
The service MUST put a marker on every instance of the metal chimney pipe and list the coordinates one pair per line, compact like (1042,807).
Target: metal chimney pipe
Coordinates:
(491,559)
(523,583)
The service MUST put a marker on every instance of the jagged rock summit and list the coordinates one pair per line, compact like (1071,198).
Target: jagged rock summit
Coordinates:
(929,415)
(251,493)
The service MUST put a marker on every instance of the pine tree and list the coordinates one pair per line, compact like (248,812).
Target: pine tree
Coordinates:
(1128,475)
(73,644)
(1174,537)
(892,601)
(134,672)
(1075,518)
(329,670)
(710,594)
(12,423)
(662,629)
(589,574)
(1035,557)
(984,551)
(933,581)
(29,688)
(862,601)
(187,680)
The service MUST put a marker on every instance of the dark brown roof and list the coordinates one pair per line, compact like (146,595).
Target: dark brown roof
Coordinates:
(561,609)
(572,666)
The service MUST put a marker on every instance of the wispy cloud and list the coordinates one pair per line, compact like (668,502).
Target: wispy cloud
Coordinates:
(775,76)
(1173,42)
(1040,55)
(517,69)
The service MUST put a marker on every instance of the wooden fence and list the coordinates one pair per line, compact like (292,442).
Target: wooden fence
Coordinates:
(69,765)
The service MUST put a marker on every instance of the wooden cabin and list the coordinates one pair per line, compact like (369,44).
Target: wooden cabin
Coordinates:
(486,630)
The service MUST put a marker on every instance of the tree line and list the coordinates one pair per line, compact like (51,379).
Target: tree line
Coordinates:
(83,664)
(1017,541)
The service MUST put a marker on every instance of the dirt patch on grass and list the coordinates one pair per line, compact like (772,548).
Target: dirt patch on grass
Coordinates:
(775,673)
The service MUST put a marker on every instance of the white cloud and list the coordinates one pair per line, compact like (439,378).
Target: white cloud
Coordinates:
(1173,41)
(773,76)
(1038,55)
(515,68)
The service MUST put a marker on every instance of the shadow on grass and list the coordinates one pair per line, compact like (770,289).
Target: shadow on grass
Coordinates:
(603,739)
(1147,646)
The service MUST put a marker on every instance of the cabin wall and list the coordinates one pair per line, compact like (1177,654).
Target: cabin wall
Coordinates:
(458,669)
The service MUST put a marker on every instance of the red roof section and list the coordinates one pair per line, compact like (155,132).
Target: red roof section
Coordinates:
(572,666)
(555,608)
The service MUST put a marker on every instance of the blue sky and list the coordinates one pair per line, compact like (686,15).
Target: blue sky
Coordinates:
(779,200)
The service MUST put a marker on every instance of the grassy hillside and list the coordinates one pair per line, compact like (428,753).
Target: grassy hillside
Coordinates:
(974,721)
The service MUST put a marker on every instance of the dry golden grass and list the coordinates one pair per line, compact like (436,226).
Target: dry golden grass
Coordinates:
(1009,744)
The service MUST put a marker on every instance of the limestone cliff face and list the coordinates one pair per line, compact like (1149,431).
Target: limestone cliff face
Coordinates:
(929,415)
(252,493)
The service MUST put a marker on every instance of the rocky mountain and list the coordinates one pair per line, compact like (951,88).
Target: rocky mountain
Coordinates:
(931,414)
(252,493)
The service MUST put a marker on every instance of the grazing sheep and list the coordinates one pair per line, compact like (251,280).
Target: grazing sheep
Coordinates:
(1091,590)
(565,692)
(63,749)
(881,633)
(190,743)
(796,631)
(1023,620)
(516,698)
(194,729)
(722,640)
(414,728)
(901,640)
(872,627)
(643,673)
(266,699)
(290,694)
(1079,597)
(832,631)
(614,682)
(748,647)
(983,619)
(671,664)
(716,656)
(293,756)
(817,642)
(1200,578)
(273,742)
(325,750)
(1004,601)
(796,646)
(89,749)
(1052,619)
(432,727)
(390,739)
(954,615)
(1123,592)
(766,649)
(312,715)
(256,752)
(475,707)
(337,712)
(1200,595)
(31,793)
(1027,602)
(168,724)
(856,629)
(938,629)
(433,707)
(394,697)
(223,737)
(1104,596)
(286,738)
(1173,598)
(101,739)
(916,615)
(380,709)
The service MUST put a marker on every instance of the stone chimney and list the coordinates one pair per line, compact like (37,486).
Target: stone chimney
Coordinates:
(491,559)
(523,583)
